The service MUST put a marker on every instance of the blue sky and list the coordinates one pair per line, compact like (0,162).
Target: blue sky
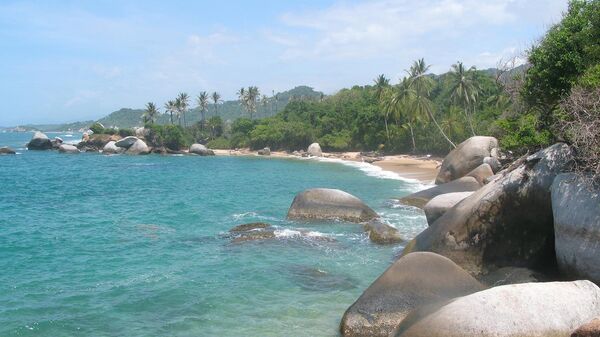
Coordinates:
(76,60)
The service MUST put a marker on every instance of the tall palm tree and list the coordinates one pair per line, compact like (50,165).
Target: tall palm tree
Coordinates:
(399,102)
(216,98)
(170,108)
(150,114)
(381,83)
(251,99)
(183,105)
(464,90)
(203,104)
(422,86)
(264,102)
(177,105)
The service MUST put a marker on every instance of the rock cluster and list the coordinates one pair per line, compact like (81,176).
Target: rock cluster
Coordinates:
(201,150)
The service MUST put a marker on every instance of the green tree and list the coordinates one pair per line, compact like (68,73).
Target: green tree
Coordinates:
(202,101)
(182,105)
(150,114)
(464,90)
(170,108)
(216,98)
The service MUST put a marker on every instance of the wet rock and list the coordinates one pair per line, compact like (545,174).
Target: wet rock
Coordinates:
(466,157)
(111,148)
(249,227)
(318,279)
(66,148)
(324,203)
(382,233)
(419,199)
(6,150)
(96,142)
(127,142)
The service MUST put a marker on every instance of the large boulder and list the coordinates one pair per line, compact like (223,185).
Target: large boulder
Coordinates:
(590,329)
(508,222)
(67,148)
(56,142)
(201,150)
(314,150)
(466,157)
(481,173)
(419,199)
(96,142)
(325,203)
(139,147)
(6,150)
(111,148)
(576,209)
(39,141)
(439,205)
(127,142)
(382,233)
(413,281)
(520,310)
(264,152)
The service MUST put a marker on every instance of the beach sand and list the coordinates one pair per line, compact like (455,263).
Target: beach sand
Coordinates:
(421,168)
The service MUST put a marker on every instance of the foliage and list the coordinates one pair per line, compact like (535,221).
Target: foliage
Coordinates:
(173,137)
(523,133)
(220,143)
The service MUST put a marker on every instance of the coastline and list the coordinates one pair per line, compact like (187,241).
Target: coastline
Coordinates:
(420,168)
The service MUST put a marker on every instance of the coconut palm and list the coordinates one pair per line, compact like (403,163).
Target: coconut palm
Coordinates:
(264,102)
(203,104)
(183,105)
(251,99)
(399,105)
(464,90)
(170,108)
(422,86)
(150,114)
(381,83)
(216,98)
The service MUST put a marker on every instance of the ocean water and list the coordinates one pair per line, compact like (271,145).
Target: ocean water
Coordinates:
(94,245)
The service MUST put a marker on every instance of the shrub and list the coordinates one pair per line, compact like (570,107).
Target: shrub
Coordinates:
(339,141)
(220,143)
(125,132)
(523,133)
(97,128)
(169,136)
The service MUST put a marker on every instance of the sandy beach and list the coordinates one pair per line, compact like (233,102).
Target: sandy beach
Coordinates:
(421,168)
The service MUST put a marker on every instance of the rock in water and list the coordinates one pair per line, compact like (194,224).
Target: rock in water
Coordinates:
(127,142)
(139,147)
(6,150)
(56,142)
(39,141)
(415,280)
(324,203)
(111,148)
(249,227)
(576,209)
(523,310)
(508,222)
(314,150)
(419,199)
(382,233)
(66,148)
(466,157)
(591,329)
(439,205)
(96,142)
(264,152)
(201,150)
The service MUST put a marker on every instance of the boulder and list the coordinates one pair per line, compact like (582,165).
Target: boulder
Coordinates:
(111,148)
(481,173)
(419,199)
(127,142)
(314,150)
(139,147)
(66,148)
(264,152)
(249,227)
(140,132)
(590,329)
(507,222)
(466,157)
(96,142)
(439,205)
(510,275)
(382,233)
(576,209)
(325,203)
(201,150)
(39,141)
(6,150)
(493,162)
(523,310)
(56,142)
(413,281)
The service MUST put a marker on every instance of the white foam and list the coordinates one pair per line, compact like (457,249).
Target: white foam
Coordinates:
(291,233)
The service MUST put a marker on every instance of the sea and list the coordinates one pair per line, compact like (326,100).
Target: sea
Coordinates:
(97,245)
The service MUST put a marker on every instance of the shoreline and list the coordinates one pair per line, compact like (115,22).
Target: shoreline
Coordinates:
(423,169)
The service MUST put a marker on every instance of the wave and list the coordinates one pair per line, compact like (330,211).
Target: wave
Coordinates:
(254,215)
(291,233)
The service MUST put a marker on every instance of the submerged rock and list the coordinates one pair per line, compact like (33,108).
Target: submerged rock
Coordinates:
(419,199)
(66,148)
(466,157)
(439,205)
(317,279)
(6,150)
(201,150)
(325,203)
(314,150)
(39,141)
(249,227)
(382,233)
(413,281)
(576,209)
(524,310)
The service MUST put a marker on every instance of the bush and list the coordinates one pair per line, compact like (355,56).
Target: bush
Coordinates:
(278,134)
(169,136)
(97,128)
(523,133)
(125,132)
(220,143)
(339,141)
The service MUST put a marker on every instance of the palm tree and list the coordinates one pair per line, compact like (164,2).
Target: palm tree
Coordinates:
(464,90)
(251,99)
(183,105)
(203,104)
(422,85)
(216,98)
(264,102)
(170,108)
(177,106)
(399,104)
(381,83)
(150,114)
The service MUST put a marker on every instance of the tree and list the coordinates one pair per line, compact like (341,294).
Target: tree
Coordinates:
(422,85)
(401,107)
(170,108)
(203,104)
(381,83)
(216,98)
(182,99)
(250,99)
(464,90)
(150,114)
(264,102)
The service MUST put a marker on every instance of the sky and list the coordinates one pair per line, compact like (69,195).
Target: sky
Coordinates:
(63,61)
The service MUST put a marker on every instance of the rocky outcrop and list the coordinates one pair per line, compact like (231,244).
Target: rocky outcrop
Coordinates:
(127,142)
(523,310)
(510,275)
(111,148)
(201,150)
(325,203)
(382,233)
(39,141)
(481,173)
(56,142)
(66,148)
(249,227)
(138,147)
(576,209)
(314,150)
(419,199)
(439,205)
(264,152)
(466,157)
(6,150)
(508,222)
(590,329)
(413,281)
(96,142)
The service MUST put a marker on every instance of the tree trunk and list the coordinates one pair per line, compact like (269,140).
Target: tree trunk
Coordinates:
(387,130)
(440,129)
(469,119)
(412,136)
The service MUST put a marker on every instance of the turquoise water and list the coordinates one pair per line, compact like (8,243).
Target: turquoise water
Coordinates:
(94,245)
